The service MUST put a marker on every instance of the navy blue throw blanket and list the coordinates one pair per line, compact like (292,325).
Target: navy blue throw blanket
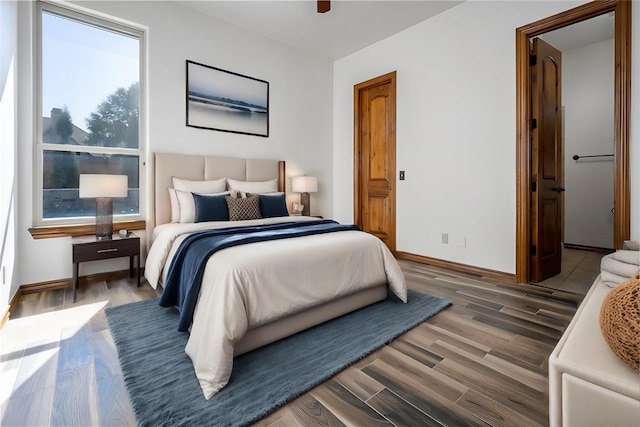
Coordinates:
(187,267)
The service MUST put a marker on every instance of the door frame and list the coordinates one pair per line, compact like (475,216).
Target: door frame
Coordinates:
(357,144)
(622,107)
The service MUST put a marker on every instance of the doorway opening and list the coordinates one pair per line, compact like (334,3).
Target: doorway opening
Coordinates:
(622,100)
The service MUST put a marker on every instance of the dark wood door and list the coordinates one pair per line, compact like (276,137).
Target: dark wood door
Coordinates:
(546,167)
(375,157)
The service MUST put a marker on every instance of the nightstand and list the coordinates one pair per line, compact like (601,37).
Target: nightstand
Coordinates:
(89,248)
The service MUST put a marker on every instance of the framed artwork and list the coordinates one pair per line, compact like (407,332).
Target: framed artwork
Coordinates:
(226,101)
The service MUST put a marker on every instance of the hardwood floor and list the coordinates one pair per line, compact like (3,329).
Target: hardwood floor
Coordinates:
(481,361)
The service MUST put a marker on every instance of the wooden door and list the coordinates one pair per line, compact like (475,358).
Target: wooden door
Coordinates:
(375,157)
(546,167)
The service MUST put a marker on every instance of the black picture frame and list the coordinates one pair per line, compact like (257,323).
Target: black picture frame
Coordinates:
(225,101)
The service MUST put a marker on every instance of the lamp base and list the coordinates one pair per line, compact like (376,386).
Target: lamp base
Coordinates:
(305,200)
(104,218)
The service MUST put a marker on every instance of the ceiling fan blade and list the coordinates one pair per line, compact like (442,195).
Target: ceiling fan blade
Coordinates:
(324,6)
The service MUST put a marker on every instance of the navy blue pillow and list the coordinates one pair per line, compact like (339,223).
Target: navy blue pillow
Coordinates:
(210,208)
(272,206)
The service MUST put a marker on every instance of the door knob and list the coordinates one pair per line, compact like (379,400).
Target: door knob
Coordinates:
(389,188)
(558,189)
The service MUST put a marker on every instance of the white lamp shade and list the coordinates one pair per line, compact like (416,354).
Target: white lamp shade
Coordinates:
(101,185)
(304,184)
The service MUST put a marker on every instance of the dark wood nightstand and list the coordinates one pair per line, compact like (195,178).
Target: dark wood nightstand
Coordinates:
(89,248)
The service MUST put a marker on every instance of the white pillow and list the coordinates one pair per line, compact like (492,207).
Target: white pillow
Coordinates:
(257,187)
(175,207)
(243,195)
(204,187)
(188,206)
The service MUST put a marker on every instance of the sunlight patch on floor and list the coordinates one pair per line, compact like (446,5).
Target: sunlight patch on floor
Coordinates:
(29,346)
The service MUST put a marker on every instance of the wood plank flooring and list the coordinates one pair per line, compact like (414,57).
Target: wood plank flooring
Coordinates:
(481,361)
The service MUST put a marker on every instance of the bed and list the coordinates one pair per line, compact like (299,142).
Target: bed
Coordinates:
(254,294)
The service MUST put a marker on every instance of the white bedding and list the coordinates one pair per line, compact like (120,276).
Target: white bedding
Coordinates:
(250,285)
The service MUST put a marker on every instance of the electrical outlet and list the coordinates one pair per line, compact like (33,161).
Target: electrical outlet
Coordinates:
(401,175)
(445,238)
(462,242)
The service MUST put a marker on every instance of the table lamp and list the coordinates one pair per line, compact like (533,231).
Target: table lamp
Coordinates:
(103,188)
(305,185)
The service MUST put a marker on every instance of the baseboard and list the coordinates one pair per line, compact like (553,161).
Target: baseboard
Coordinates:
(11,307)
(5,317)
(463,268)
(44,286)
(82,281)
(588,248)
(50,285)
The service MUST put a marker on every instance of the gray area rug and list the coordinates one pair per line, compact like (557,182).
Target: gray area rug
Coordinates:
(163,387)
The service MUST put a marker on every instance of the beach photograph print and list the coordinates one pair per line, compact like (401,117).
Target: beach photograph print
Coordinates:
(226,101)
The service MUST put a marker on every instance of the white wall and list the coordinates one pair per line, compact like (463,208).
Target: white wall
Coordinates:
(455,129)
(587,97)
(300,105)
(8,141)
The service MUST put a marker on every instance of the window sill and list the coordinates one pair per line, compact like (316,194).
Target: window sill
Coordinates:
(50,231)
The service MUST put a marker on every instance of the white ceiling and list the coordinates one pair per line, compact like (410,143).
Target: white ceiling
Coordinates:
(582,34)
(349,26)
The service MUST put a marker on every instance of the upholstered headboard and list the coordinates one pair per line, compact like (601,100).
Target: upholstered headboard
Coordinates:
(199,167)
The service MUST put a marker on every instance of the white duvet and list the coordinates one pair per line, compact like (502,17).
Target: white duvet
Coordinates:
(250,285)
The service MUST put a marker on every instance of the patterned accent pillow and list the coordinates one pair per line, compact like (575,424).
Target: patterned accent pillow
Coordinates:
(243,209)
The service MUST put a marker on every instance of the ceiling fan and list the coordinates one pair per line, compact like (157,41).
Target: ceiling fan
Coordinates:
(324,6)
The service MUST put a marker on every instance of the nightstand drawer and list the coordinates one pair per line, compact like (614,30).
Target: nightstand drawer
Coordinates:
(87,248)
(106,249)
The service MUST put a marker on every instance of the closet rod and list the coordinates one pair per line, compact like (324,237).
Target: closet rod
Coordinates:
(576,157)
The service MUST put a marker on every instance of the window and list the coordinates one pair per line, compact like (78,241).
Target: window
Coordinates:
(89,77)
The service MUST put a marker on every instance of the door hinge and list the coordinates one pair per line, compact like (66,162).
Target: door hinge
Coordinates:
(533,60)
(534,186)
(534,250)
(534,123)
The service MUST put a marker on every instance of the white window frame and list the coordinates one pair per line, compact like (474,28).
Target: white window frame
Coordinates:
(109,23)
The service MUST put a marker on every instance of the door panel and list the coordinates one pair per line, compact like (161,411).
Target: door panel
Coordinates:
(378,159)
(546,168)
(377,218)
(550,213)
(374,165)
(550,121)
